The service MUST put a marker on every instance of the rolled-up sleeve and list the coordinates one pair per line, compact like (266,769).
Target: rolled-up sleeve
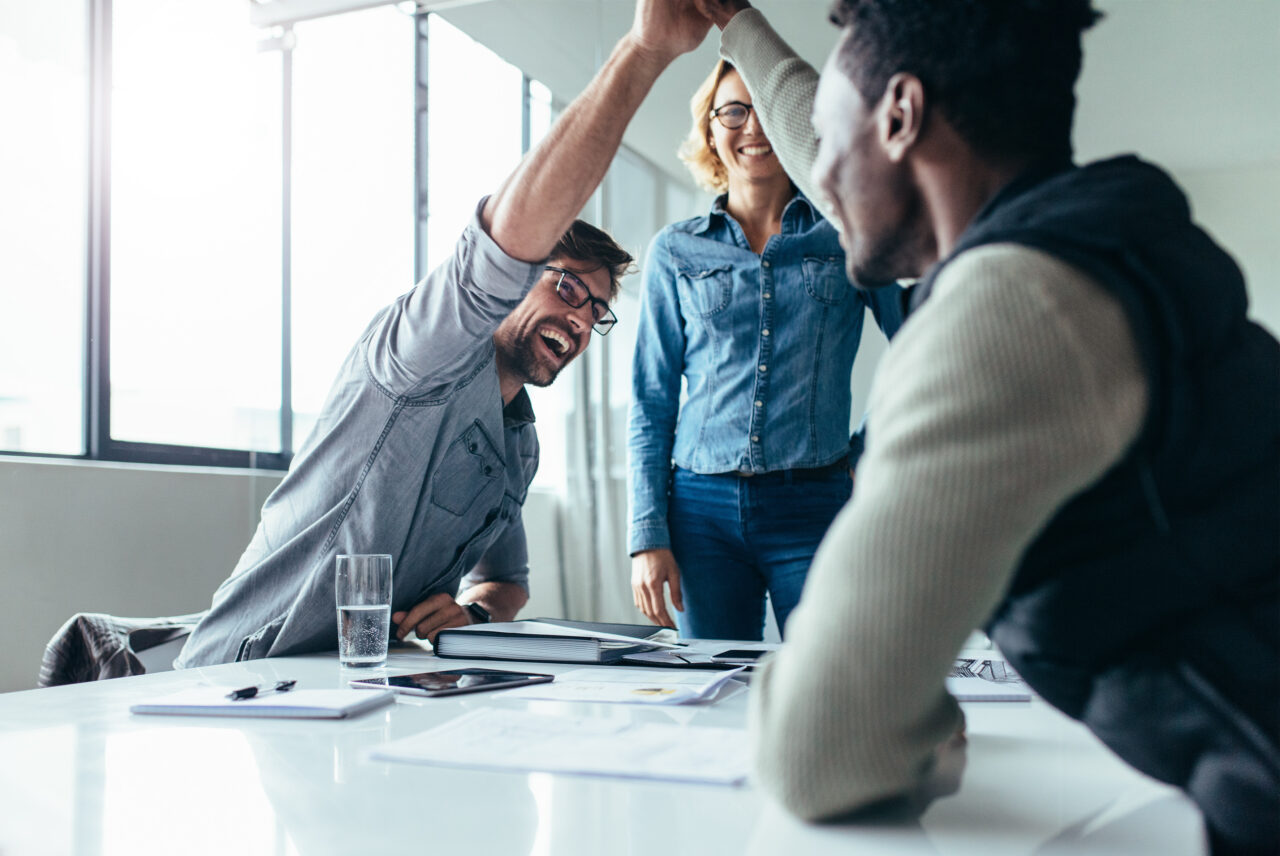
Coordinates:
(431,332)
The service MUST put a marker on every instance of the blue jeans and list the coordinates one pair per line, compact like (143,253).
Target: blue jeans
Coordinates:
(737,538)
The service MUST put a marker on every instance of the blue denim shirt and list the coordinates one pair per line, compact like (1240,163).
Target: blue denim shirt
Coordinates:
(414,455)
(765,343)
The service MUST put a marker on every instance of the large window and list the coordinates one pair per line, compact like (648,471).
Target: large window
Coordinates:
(194,228)
(43,158)
(201,214)
(226,206)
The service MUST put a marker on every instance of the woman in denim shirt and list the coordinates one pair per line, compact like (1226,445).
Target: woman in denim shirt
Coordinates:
(749,305)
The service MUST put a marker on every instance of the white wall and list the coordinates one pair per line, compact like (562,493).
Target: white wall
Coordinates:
(1238,206)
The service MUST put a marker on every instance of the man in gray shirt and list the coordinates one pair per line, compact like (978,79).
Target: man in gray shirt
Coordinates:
(425,447)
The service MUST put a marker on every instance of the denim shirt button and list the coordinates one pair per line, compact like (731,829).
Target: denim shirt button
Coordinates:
(764,332)
(471,448)
(759,403)
(763,368)
(764,263)
(768,295)
(755,438)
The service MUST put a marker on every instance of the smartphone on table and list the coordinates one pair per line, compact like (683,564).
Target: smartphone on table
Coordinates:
(453,681)
(738,656)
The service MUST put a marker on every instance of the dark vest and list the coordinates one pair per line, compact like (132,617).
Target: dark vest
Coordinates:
(1147,608)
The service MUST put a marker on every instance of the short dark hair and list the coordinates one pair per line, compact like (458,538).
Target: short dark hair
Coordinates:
(590,245)
(1002,72)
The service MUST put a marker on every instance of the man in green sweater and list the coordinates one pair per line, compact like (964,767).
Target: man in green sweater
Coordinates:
(1077,427)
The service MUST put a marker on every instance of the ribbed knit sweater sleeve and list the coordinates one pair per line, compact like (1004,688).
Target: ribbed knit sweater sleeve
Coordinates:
(1014,387)
(782,86)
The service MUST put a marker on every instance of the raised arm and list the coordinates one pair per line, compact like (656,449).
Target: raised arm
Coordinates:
(536,204)
(782,86)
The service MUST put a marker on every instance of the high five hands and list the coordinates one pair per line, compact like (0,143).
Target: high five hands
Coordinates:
(719,12)
(667,28)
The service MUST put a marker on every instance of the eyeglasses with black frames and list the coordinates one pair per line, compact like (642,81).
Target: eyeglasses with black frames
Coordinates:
(733,115)
(574,292)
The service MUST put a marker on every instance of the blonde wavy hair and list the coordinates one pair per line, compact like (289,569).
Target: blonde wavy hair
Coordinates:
(696,152)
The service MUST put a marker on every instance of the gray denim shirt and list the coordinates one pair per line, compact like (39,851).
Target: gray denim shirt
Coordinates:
(413,455)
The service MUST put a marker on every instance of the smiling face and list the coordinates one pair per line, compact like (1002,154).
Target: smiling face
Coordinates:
(543,334)
(880,211)
(745,151)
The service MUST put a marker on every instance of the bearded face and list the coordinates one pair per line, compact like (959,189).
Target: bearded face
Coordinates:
(543,334)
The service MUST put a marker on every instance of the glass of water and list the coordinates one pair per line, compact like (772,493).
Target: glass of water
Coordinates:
(362,589)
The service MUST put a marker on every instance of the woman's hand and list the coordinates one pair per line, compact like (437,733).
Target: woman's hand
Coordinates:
(650,571)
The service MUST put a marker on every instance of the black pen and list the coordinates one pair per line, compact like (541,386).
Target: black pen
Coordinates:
(253,692)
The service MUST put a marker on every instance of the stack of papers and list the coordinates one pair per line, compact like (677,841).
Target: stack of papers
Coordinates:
(632,686)
(517,740)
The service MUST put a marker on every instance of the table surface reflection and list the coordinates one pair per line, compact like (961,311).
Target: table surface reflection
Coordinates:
(82,775)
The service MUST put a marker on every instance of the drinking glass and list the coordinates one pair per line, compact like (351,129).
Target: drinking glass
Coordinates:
(362,589)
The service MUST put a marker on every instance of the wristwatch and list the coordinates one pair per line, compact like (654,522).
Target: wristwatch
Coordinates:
(479,615)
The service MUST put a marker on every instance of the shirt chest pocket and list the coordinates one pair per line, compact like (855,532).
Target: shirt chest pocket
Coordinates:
(704,290)
(471,465)
(825,279)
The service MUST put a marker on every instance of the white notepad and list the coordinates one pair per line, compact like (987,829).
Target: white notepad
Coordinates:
(300,704)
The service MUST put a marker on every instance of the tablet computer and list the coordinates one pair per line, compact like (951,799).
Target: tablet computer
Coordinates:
(452,681)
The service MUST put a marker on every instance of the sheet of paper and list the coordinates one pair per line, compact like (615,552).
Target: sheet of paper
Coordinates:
(631,686)
(503,739)
(697,651)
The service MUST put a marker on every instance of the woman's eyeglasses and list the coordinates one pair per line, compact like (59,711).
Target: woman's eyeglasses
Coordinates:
(732,115)
(574,292)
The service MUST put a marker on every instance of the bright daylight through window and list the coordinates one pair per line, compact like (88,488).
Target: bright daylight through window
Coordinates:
(239,203)
(43,161)
(195,228)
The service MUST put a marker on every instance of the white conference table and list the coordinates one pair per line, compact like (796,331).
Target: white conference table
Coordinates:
(80,774)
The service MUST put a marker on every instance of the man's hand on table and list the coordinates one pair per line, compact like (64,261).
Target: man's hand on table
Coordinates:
(430,617)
